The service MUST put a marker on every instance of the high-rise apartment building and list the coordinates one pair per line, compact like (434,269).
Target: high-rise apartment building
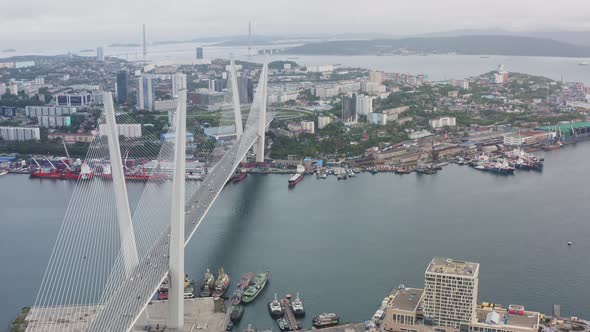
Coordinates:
(450,293)
(122,86)
(145,93)
(349,113)
(100,53)
(364,104)
(199,53)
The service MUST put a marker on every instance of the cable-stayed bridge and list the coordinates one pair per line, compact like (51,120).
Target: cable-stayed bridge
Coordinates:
(108,262)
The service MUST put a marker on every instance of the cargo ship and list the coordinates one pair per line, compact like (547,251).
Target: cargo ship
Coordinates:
(325,320)
(208,284)
(295,179)
(255,287)
(221,284)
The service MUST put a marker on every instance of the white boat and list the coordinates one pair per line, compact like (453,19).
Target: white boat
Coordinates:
(3,172)
(583,63)
(351,173)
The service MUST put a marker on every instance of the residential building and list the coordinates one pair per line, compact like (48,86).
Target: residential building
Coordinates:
(463,84)
(308,126)
(245,90)
(349,114)
(326,91)
(364,104)
(394,113)
(20,133)
(377,119)
(35,111)
(122,86)
(126,130)
(39,80)
(2,89)
(501,76)
(448,121)
(178,83)
(13,89)
(372,88)
(323,121)
(100,53)
(376,77)
(48,121)
(145,93)
(199,53)
(450,292)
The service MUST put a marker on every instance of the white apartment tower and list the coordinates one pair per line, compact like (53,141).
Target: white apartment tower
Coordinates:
(450,293)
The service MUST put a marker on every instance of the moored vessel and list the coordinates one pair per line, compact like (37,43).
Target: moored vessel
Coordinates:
(3,172)
(237,311)
(325,320)
(255,287)
(297,306)
(295,179)
(208,284)
(221,284)
(274,308)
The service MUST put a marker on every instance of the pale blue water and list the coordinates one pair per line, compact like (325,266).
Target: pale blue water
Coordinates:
(345,244)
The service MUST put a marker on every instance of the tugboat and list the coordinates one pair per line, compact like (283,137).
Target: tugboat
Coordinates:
(297,306)
(189,291)
(221,284)
(208,284)
(274,308)
(283,324)
(236,312)
(255,287)
(325,320)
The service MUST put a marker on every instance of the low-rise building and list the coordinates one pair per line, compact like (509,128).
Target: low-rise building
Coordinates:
(125,130)
(419,134)
(447,121)
(20,133)
(377,119)
(35,111)
(72,137)
(323,121)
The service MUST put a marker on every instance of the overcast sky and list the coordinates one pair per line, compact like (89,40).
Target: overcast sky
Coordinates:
(120,20)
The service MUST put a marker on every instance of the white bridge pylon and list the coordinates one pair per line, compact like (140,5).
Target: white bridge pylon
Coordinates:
(126,233)
(165,258)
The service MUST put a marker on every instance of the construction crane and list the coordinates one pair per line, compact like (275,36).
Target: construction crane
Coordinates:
(66,148)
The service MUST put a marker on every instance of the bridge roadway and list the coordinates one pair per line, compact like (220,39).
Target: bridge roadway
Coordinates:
(123,308)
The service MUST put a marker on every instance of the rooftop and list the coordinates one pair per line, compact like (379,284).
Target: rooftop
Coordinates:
(452,266)
(406,299)
(526,319)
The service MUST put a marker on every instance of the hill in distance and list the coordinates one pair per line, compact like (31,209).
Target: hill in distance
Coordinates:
(469,45)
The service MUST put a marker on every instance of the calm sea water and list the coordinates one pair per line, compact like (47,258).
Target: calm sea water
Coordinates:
(436,67)
(344,244)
